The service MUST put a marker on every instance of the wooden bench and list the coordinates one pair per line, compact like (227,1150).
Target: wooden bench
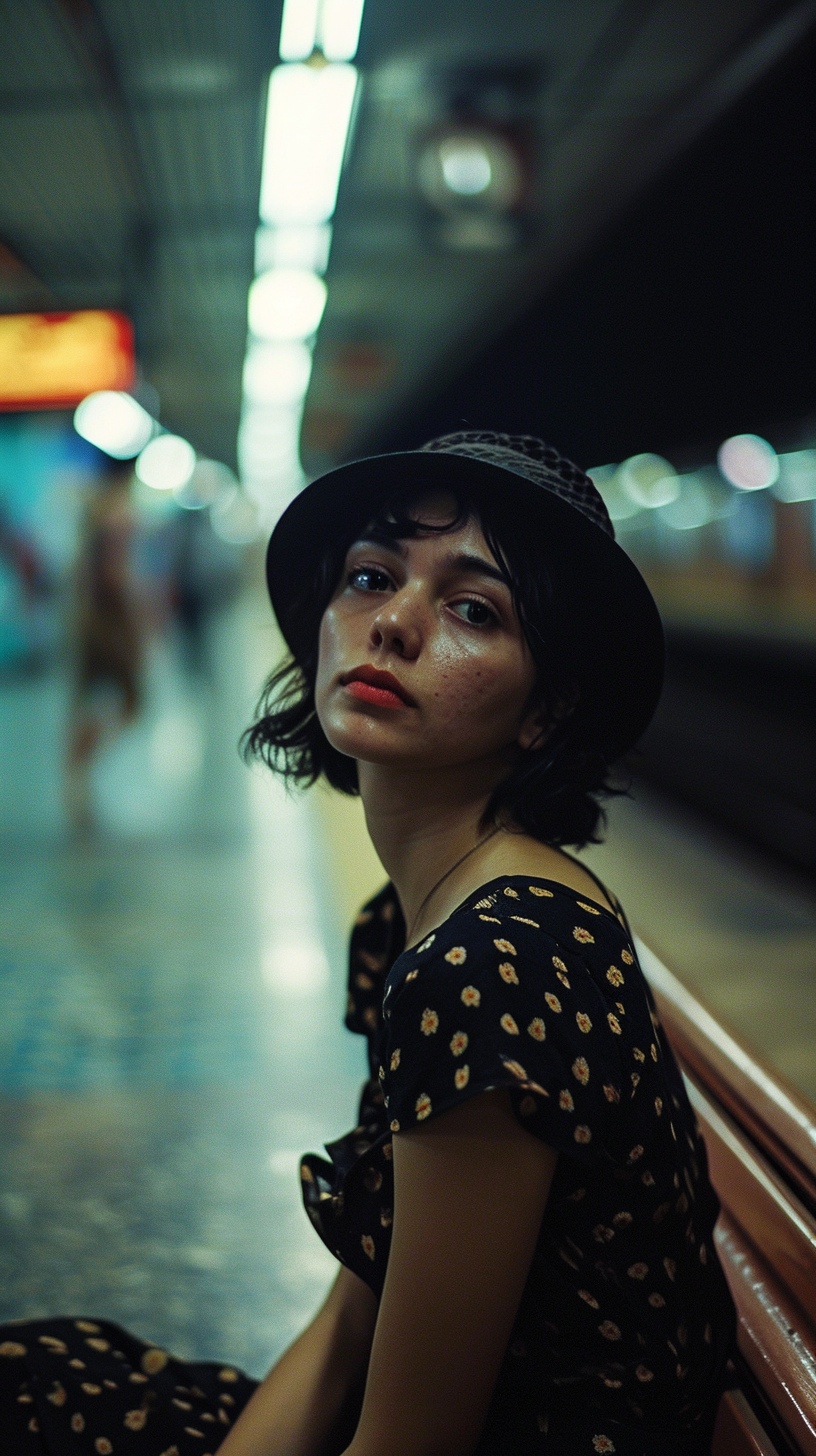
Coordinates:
(761,1141)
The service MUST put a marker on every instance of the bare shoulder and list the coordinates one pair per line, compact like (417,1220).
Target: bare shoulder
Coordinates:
(518,854)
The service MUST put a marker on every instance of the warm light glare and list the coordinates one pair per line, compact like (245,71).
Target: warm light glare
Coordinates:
(286,303)
(277,373)
(339,28)
(114,422)
(298,29)
(166,463)
(649,480)
(307,120)
(304,245)
(748,462)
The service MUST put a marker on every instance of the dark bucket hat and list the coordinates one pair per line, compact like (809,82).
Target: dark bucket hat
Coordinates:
(616,636)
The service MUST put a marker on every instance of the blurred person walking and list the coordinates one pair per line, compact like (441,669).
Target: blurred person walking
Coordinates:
(106,637)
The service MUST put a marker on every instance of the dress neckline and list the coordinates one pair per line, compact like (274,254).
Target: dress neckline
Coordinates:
(555,886)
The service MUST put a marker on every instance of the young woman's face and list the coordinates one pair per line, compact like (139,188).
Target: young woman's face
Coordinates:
(421,658)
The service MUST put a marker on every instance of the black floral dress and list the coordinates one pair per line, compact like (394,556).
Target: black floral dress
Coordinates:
(626,1322)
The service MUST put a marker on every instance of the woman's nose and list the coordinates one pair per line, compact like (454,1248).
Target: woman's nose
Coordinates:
(397,627)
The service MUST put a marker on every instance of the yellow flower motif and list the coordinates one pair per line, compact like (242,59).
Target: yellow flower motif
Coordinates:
(511,894)
(508,1024)
(647,1179)
(583,1021)
(395,1059)
(486,903)
(412,975)
(12,1349)
(582,1133)
(91,1389)
(583,935)
(103,1446)
(87,1327)
(638,1271)
(638,1054)
(653,1050)
(627,958)
(426,944)
(603,1445)
(622,1220)
(461,1077)
(228,1375)
(537,890)
(386,1217)
(522,920)
(563,979)
(552,1001)
(614,976)
(423,1107)
(492,919)
(57,1396)
(614,1024)
(565,1101)
(559,965)
(364,982)
(506,947)
(609,1330)
(508,974)
(368,1245)
(588,1298)
(580,1070)
(77,1422)
(457,955)
(515,1068)
(471,996)
(429,1023)
(657,1301)
(136,1420)
(394,1125)
(644,1373)
(77,1364)
(592,909)
(380,1073)
(637,1152)
(621,1009)
(153,1361)
(458,1042)
(537,1029)
(370,1017)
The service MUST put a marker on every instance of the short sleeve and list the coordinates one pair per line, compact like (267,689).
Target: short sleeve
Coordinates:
(508,1001)
(377,937)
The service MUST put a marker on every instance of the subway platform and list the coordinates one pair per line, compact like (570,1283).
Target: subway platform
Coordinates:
(173,991)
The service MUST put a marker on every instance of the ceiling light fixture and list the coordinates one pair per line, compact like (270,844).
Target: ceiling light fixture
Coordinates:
(286,303)
(166,463)
(307,121)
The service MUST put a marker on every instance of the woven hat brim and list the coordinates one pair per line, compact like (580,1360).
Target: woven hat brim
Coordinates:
(621,662)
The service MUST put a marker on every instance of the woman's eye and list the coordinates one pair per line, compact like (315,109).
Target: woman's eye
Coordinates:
(369,579)
(474,612)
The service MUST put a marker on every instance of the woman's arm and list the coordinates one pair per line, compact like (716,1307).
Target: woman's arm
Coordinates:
(470,1188)
(301,1408)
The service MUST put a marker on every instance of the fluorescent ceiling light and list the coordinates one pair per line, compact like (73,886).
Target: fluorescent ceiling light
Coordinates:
(114,422)
(286,303)
(339,28)
(298,29)
(300,245)
(333,25)
(307,120)
(797,476)
(166,463)
(277,373)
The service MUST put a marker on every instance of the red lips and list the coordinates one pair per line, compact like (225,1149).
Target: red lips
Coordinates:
(372,685)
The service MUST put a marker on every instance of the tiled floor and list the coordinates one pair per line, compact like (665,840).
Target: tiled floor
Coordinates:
(172,994)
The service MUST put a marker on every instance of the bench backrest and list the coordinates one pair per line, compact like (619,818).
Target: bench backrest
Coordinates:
(761,1142)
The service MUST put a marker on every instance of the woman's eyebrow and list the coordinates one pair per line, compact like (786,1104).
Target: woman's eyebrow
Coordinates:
(463,560)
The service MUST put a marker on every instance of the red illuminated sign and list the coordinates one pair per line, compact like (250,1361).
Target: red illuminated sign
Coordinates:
(52,360)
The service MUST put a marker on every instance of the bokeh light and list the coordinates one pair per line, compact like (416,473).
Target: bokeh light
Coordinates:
(166,463)
(115,422)
(286,303)
(277,373)
(649,480)
(748,462)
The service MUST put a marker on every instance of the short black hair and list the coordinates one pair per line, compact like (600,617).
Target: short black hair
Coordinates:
(554,792)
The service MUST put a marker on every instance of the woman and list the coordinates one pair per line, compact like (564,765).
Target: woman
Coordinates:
(522,1216)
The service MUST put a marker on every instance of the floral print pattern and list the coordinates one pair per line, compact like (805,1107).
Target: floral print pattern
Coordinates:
(593,1358)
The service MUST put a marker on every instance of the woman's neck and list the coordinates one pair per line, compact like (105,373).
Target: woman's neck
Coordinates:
(421,825)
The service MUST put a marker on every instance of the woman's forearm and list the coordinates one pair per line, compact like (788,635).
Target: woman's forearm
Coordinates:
(299,1409)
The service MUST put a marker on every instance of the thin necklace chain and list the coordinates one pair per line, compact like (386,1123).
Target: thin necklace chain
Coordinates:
(442,878)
